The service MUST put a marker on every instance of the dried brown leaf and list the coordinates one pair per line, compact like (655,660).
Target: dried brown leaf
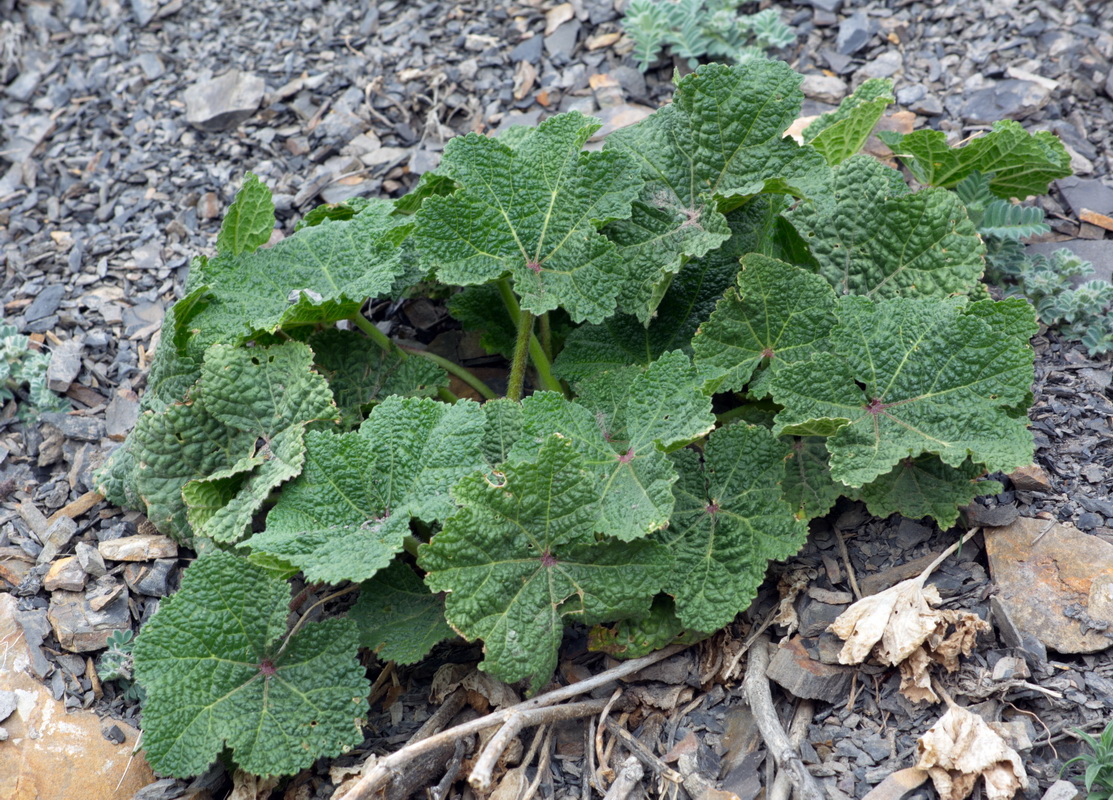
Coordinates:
(960,747)
(915,677)
(892,623)
(967,626)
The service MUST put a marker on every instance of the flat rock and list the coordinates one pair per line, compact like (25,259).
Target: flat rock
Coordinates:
(1031,478)
(1008,99)
(45,303)
(1056,583)
(138,548)
(223,102)
(66,574)
(855,33)
(1089,193)
(52,754)
(90,559)
(150,579)
(81,628)
(65,363)
(793,667)
(824,88)
(72,426)
(1061,790)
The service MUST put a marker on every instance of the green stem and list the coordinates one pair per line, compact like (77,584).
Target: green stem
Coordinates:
(389,345)
(447,395)
(463,373)
(410,543)
(372,330)
(536,352)
(521,352)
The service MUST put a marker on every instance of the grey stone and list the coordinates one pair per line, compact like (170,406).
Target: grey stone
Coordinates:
(144,10)
(911,533)
(151,66)
(120,416)
(837,61)
(994,517)
(794,668)
(930,106)
(906,95)
(66,574)
(81,628)
(855,33)
(1062,790)
(90,560)
(152,579)
(561,43)
(83,429)
(1008,99)
(56,538)
(528,50)
(1088,193)
(23,87)
(825,88)
(830,6)
(46,303)
(65,363)
(36,627)
(884,66)
(1089,520)
(147,256)
(223,102)
(631,80)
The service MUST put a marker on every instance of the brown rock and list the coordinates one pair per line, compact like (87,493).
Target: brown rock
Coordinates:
(67,574)
(793,667)
(79,627)
(1055,582)
(14,565)
(143,547)
(51,754)
(1031,478)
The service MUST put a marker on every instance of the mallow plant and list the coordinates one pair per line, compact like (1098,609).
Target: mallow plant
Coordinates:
(712,333)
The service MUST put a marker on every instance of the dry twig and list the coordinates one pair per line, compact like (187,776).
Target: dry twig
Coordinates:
(756,686)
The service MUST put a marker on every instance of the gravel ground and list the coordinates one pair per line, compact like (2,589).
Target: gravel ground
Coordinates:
(110,183)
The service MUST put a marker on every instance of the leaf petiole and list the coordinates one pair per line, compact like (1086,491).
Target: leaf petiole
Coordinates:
(537,353)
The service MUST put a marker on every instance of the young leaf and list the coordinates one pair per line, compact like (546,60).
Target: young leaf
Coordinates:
(839,134)
(719,143)
(320,274)
(777,315)
(271,394)
(174,446)
(346,515)
(1001,218)
(640,636)
(215,677)
(907,377)
(360,373)
(882,241)
(399,619)
(250,219)
(621,423)
(532,210)
(730,520)
(1017,163)
(622,340)
(519,557)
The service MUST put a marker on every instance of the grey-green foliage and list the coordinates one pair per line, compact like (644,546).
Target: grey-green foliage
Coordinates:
(695,29)
(21,366)
(115,664)
(1082,312)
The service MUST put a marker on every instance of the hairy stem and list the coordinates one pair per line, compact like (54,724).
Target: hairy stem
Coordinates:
(521,351)
(373,332)
(537,353)
(545,331)
(411,543)
(447,395)
(304,617)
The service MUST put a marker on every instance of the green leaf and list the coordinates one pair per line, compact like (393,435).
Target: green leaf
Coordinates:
(879,240)
(808,486)
(532,211)
(177,363)
(210,662)
(777,315)
(480,308)
(839,134)
(909,377)
(250,219)
(730,520)
(502,427)
(640,636)
(925,487)
(346,515)
(1001,218)
(171,448)
(1017,163)
(622,422)
(320,274)
(519,557)
(622,340)
(399,619)
(719,143)
(360,373)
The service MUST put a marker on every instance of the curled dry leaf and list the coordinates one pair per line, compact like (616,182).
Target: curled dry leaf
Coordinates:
(941,648)
(892,623)
(791,586)
(960,747)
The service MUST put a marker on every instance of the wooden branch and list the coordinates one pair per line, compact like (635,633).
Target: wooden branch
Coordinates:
(639,750)
(801,720)
(627,781)
(481,775)
(756,687)
(386,767)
